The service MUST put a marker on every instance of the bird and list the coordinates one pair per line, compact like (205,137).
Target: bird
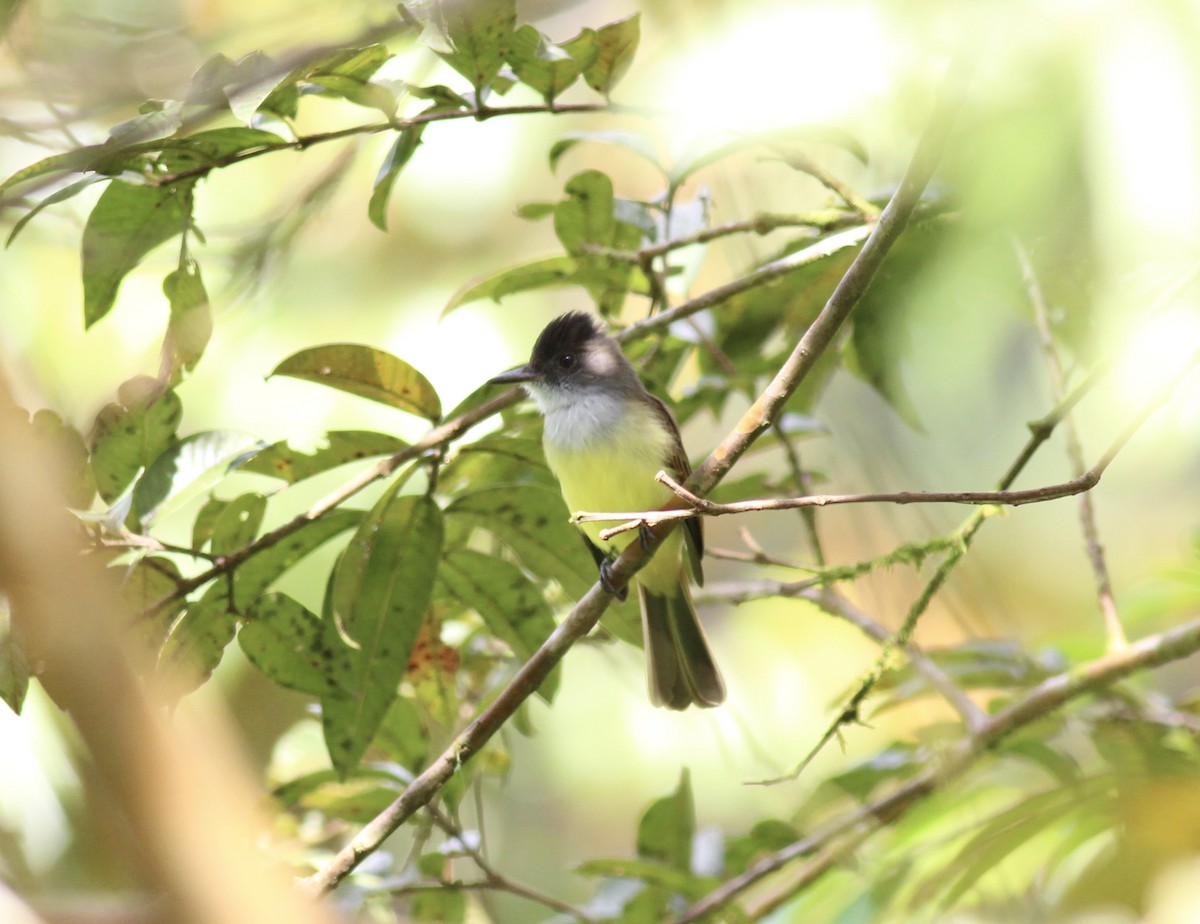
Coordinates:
(605,439)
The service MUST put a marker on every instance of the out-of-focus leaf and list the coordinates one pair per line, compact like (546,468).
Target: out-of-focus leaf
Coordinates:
(155,119)
(632,141)
(586,215)
(655,873)
(360,92)
(540,274)
(444,906)
(340,447)
(711,150)
(282,639)
(129,435)
(381,588)
(205,520)
(104,159)
(14,669)
(479,33)
(535,211)
(198,640)
(441,96)
(764,838)
(617,43)
(548,68)
(265,567)
(238,523)
(60,195)
(366,372)
(186,469)
(213,147)
(667,827)
(190,325)
(399,154)
(126,223)
(148,581)
(70,452)
(357,798)
(514,609)
(402,736)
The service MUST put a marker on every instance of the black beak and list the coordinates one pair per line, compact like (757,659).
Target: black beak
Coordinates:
(516,376)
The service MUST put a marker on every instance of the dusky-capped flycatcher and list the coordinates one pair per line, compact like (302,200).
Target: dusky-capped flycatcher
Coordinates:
(605,439)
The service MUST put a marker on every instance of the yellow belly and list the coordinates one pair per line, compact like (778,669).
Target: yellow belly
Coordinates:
(613,477)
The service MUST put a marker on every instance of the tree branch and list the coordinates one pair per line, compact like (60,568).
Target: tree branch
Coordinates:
(835,840)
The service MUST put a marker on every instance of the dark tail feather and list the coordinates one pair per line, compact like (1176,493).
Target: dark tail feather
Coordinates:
(681,666)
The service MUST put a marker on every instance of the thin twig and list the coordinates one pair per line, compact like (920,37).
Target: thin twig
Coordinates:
(835,840)
(1113,629)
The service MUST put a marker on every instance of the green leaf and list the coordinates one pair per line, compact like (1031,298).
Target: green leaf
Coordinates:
(129,435)
(66,444)
(190,325)
(14,668)
(380,590)
(444,906)
(402,736)
(197,641)
(534,522)
(548,68)
(206,519)
(535,211)
(360,92)
(359,63)
(126,223)
(764,838)
(186,469)
(283,640)
(712,149)
(650,872)
(57,196)
(479,33)
(513,608)
(238,523)
(91,157)
(264,568)
(540,274)
(586,215)
(148,581)
(617,43)
(216,146)
(632,141)
(340,447)
(399,154)
(366,372)
(667,827)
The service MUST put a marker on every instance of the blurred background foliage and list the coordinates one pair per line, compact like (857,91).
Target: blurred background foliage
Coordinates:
(1079,144)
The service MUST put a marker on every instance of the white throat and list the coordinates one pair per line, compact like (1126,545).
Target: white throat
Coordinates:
(577,418)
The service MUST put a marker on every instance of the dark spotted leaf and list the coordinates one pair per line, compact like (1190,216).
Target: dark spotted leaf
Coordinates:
(513,608)
(479,33)
(283,640)
(265,567)
(366,372)
(132,433)
(198,640)
(339,448)
(380,590)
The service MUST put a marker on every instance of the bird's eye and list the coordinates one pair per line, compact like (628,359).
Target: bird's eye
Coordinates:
(566,361)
